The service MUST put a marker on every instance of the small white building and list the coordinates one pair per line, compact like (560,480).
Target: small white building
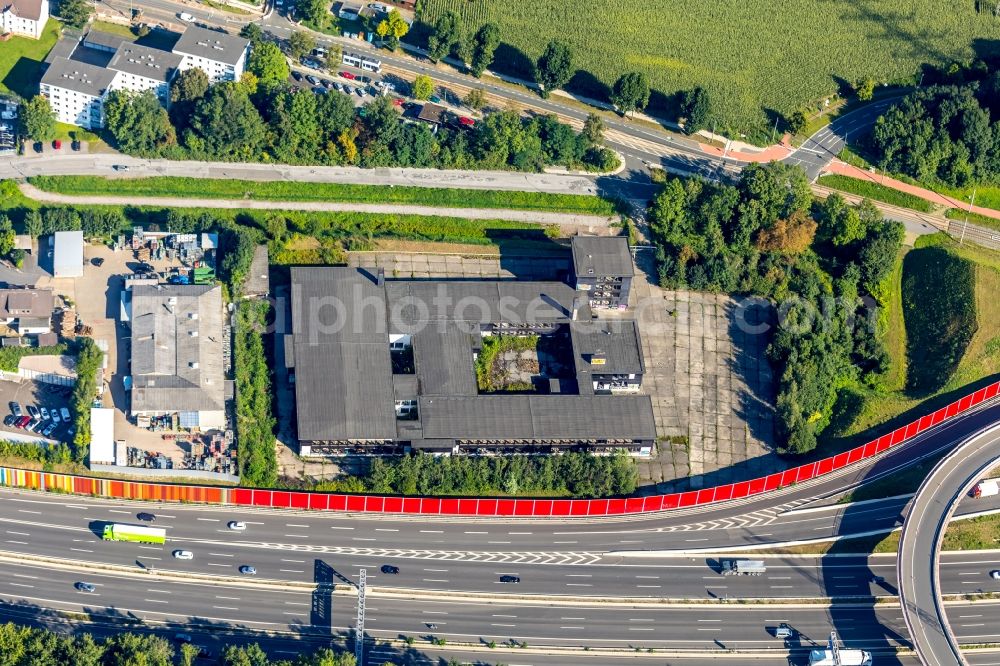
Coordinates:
(220,55)
(24,17)
(102,436)
(67,255)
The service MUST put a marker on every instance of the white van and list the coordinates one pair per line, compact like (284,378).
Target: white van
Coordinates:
(187,18)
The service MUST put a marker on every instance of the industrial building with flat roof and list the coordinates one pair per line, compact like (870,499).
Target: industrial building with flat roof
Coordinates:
(177,355)
(381,365)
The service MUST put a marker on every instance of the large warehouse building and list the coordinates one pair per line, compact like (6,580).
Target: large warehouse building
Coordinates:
(381,365)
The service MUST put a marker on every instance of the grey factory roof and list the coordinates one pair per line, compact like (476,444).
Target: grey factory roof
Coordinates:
(29,9)
(211,45)
(78,77)
(479,301)
(537,417)
(602,255)
(177,348)
(617,340)
(345,389)
(343,371)
(155,64)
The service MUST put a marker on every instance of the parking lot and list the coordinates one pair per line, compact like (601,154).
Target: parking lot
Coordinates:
(37,394)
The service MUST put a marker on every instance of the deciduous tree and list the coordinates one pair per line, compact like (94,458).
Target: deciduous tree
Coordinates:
(75,13)
(475,99)
(138,121)
(300,44)
(446,32)
(631,92)
(484,46)
(423,87)
(696,108)
(38,121)
(554,68)
(268,63)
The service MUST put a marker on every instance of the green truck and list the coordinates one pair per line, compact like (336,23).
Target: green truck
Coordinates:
(134,533)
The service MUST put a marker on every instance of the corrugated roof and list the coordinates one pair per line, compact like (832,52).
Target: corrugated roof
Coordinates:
(602,255)
(177,348)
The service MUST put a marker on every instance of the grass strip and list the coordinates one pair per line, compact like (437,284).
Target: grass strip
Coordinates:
(297,191)
(973,218)
(876,192)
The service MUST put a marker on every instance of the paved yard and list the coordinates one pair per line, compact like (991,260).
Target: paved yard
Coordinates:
(711,387)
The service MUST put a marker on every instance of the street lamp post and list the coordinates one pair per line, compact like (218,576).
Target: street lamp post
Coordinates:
(967,213)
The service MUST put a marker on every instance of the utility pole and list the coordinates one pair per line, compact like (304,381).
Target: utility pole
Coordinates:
(359,637)
(775,130)
(967,213)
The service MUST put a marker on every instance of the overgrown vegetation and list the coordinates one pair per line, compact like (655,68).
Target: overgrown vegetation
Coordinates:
(88,362)
(726,46)
(299,191)
(491,372)
(261,119)
(10,357)
(939,304)
(570,474)
(255,422)
(821,263)
(29,646)
(870,190)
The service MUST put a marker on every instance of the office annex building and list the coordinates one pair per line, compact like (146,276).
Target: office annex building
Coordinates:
(386,365)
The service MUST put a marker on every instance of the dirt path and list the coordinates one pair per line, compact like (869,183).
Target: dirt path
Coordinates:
(580,221)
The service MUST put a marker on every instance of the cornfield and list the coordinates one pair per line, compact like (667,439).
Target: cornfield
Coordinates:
(753,56)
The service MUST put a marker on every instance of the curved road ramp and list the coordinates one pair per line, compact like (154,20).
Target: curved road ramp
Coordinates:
(920,542)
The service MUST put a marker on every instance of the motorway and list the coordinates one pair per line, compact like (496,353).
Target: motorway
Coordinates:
(920,582)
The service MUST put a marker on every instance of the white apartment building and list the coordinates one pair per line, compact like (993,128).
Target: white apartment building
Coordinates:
(24,17)
(219,54)
(77,89)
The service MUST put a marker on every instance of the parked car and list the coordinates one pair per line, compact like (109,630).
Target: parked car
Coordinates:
(75,145)
(15,409)
(349,90)
(435,99)
(348,76)
(995,574)
(237,525)
(55,416)
(9,420)
(326,84)
(97,261)
(57,144)
(23,421)
(361,91)
(339,86)
(183,554)
(44,412)
(64,413)
(85,587)
(466,121)
(32,411)
(312,79)
(183,638)
(120,167)
(398,101)
(32,424)
(49,429)
(296,75)
(248,570)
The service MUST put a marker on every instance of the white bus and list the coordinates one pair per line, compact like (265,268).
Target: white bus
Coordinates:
(362,62)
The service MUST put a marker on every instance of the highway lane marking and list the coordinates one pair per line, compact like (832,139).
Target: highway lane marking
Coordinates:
(578,619)
(341,528)
(654,629)
(968,616)
(690,540)
(227,598)
(519,533)
(710,620)
(156,601)
(26,534)
(291,570)
(29,511)
(782,577)
(432,531)
(579,576)
(656,586)
(477,532)
(147,547)
(306,536)
(296,525)
(82,550)
(225,608)
(209,520)
(434,580)
(296,603)
(15,575)
(579,585)
(74,506)
(498,615)
(222,554)
(427,612)
(109,511)
(565,542)
(496,624)
(437,570)
(213,564)
(22,543)
(654,577)
(362,539)
(159,591)
(20,585)
(641,619)
(294,561)
(571,627)
(385,529)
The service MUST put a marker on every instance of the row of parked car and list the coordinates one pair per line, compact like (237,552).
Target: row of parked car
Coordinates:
(323,85)
(38,419)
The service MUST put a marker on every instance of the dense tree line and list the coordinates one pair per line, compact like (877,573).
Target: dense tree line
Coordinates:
(943,134)
(576,474)
(262,118)
(28,646)
(819,262)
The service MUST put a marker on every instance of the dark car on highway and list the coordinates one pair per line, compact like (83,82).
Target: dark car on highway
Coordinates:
(85,587)
(389,569)
(148,517)
(509,579)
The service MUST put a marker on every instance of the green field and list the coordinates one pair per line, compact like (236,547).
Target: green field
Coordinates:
(292,191)
(750,55)
(21,60)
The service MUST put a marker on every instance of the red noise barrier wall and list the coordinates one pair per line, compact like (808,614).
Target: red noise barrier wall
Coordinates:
(137,490)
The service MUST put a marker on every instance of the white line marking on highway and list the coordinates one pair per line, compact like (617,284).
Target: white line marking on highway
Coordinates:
(631,541)
(74,506)
(571,627)
(26,534)
(150,548)
(225,608)
(497,542)
(565,542)
(641,619)
(710,620)
(158,591)
(513,533)
(431,531)
(296,525)
(779,577)
(656,586)
(968,616)
(654,629)
(385,529)
(227,598)
(972,625)
(117,511)
(435,580)
(287,613)
(156,601)
(291,570)
(696,539)
(295,561)
(782,587)
(703,629)
(15,575)
(497,615)
(362,539)
(477,532)
(495,624)
(573,618)
(163,515)
(20,585)
(305,536)
(653,577)
(964,573)
(341,528)
(213,564)
(209,520)
(579,575)
(579,585)
(28,511)
(222,555)
(23,543)
(426,612)
(81,550)
(436,570)
(296,603)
